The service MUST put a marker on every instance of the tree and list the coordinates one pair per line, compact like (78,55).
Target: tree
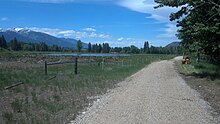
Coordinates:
(43,46)
(134,49)
(37,47)
(26,47)
(79,45)
(93,48)
(106,48)
(126,50)
(99,50)
(14,44)
(89,47)
(200,25)
(117,49)
(146,47)
(3,43)
(55,48)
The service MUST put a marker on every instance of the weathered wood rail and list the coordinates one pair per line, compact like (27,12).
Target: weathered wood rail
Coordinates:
(57,63)
(13,85)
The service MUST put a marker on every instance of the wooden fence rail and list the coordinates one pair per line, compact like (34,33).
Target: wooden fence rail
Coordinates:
(57,63)
(65,62)
(13,85)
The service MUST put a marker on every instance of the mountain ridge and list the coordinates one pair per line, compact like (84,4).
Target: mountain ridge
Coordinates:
(29,36)
(173,44)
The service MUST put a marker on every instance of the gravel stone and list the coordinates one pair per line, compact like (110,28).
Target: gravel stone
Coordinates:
(154,95)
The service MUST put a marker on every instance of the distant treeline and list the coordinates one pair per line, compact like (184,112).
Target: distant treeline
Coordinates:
(16,45)
(151,50)
(105,48)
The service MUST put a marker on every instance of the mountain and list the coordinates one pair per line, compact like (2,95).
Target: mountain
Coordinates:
(173,44)
(26,35)
(74,41)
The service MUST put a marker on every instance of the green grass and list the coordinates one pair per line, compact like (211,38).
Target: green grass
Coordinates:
(203,69)
(17,106)
(8,117)
(88,73)
(67,92)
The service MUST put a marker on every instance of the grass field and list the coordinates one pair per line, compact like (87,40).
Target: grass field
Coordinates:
(61,95)
(203,77)
(202,69)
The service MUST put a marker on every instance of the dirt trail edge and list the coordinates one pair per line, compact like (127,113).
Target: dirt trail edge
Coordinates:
(154,95)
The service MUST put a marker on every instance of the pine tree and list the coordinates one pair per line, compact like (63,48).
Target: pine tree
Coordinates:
(4,43)
(146,47)
(1,42)
(14,44)
(106,48)
(99,48)
(89,47)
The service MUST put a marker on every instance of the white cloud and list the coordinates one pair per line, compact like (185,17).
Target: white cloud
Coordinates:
(95,35)
(60,32)
(4,18)
(70,33)
(125,43)
(169,32)
(18,29)
(104,36)
(121,38)
(161,15)
(157,17)
(92,35)
(89,29)
(147,6)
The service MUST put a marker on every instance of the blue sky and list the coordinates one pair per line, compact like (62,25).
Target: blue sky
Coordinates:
(117,22)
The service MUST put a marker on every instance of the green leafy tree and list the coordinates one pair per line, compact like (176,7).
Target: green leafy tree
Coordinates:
(134,49)
(117,49)
(200,25)
(106,48)
(126,49)
(79,45)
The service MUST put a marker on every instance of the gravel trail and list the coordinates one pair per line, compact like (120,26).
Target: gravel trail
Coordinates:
(154,95)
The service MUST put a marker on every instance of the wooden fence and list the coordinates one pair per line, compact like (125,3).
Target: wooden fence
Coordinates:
(65,62)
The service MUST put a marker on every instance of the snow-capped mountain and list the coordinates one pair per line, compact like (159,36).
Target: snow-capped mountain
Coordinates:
(27,35)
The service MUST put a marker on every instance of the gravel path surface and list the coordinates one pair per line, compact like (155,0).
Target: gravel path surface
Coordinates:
(154,95)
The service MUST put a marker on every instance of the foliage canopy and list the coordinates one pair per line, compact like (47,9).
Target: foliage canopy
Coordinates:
(200,24)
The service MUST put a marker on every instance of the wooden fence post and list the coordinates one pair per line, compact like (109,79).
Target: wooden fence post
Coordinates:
(45,67)
(76,65)
(103,60)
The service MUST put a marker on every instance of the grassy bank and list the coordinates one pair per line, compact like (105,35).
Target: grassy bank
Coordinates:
(202,69)
(60,95)
(204,77)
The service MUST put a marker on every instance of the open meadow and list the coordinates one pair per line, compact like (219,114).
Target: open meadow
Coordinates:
(60,95)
